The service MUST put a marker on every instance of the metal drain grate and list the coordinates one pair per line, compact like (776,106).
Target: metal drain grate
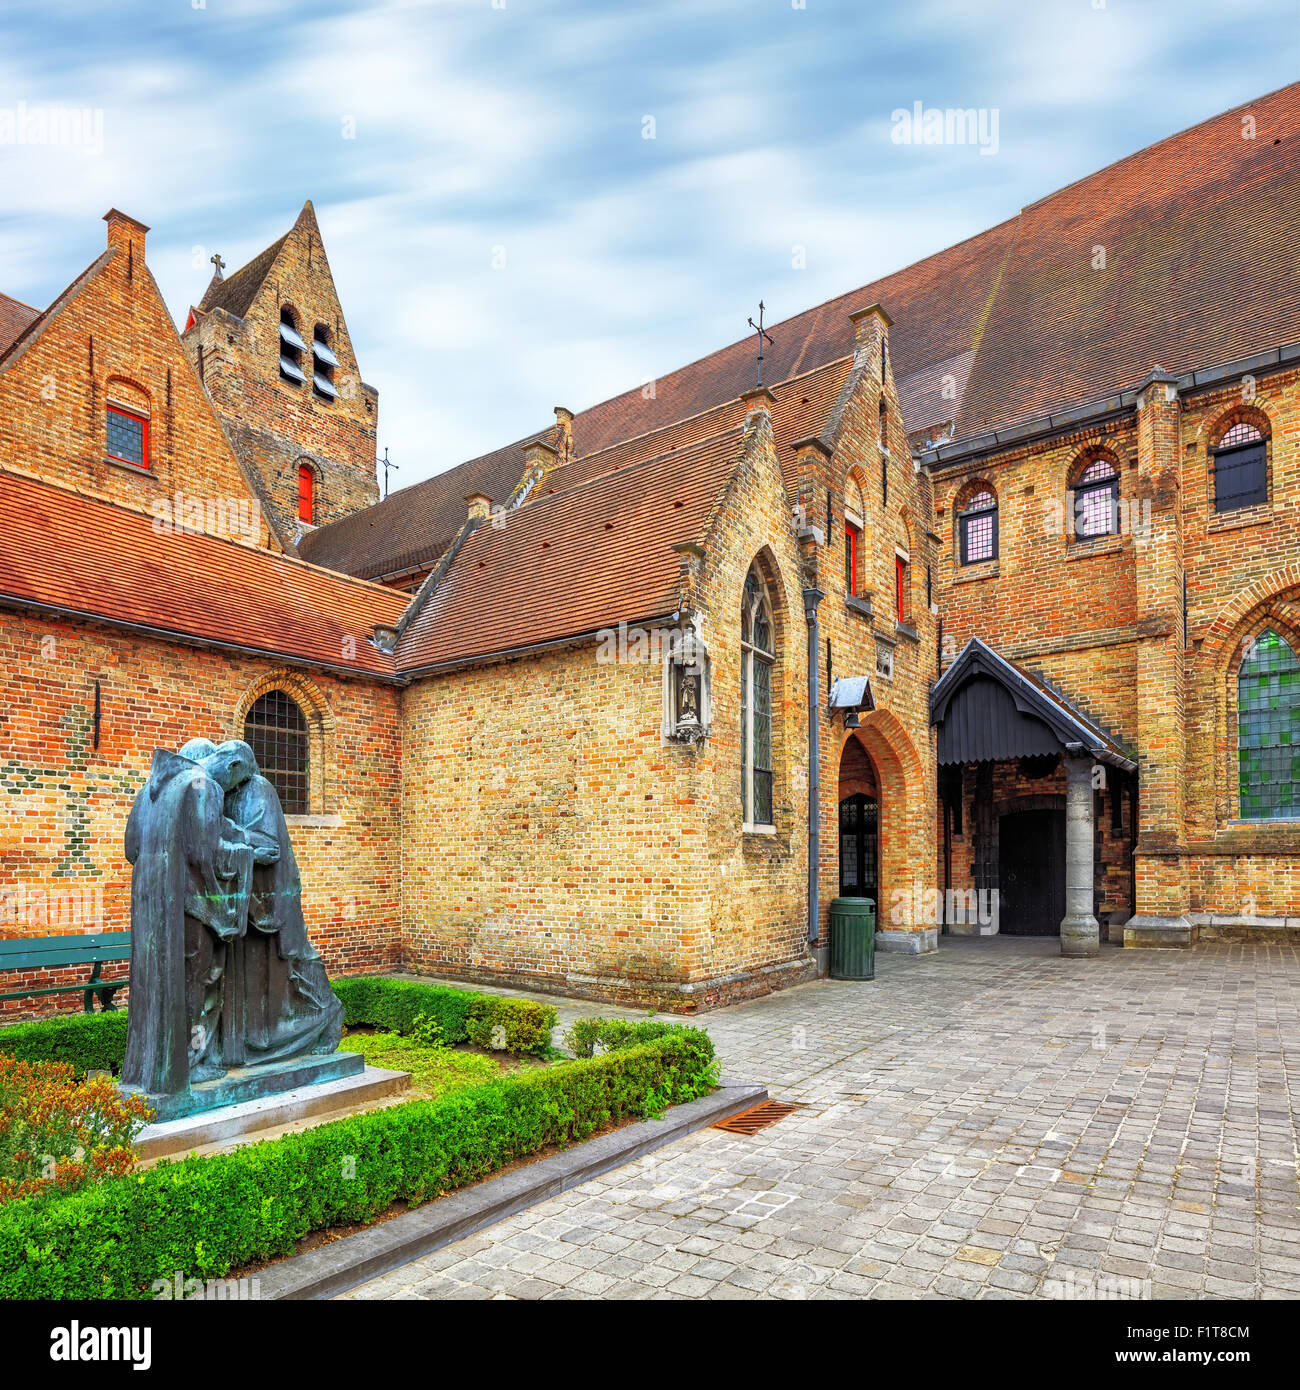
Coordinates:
(757,1117)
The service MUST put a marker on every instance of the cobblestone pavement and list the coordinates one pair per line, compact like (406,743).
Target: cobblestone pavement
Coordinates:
(990,1121)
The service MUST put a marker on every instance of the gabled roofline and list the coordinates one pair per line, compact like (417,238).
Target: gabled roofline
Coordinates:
(38,325)
(1065,720)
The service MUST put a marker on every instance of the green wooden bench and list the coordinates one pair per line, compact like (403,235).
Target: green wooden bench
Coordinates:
(55,952)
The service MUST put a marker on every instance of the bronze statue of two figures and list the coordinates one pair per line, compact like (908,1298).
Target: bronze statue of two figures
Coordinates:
(222,973)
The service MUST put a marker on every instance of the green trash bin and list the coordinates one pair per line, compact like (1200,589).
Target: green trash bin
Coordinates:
(853,939)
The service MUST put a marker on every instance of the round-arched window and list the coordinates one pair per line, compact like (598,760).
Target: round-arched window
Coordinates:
(1268,730)
(276,730)
(1096,500)
(1240,468)
(977,528)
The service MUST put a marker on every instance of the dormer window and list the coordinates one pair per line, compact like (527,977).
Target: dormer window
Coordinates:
(127,436)
(292,348)
(323,364)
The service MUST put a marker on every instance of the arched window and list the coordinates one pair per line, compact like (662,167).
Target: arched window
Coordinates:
(1096,500)
(292,348)
(306,494)
(1240,468)
(757,658)
(853,532)
(276,730)
(1268,730)
(977,527)
(323,364)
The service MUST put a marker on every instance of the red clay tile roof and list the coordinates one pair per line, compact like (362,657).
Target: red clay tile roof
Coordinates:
(569,564)
(90,557)
(15,317)
(414,526)
(1200,233)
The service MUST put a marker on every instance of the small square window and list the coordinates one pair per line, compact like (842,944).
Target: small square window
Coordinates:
(127,437)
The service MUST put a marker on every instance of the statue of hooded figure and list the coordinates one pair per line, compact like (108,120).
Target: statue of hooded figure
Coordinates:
(278,1001)
(191,872)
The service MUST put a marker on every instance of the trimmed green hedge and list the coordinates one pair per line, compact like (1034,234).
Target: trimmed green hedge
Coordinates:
(88,1042)
(396,1004)
(614,1033)
(97,1042)
(488,1020)
(206,1216)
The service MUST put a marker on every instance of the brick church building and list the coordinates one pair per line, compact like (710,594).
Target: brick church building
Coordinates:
(986,605)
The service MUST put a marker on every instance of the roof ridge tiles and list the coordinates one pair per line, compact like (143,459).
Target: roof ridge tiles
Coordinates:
(700,414)
(736,429)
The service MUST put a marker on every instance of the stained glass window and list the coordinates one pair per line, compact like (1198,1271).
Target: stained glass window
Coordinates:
(128,437)
(978,528)
(1096,500)
(756,661)
(1268,731)
(276,731)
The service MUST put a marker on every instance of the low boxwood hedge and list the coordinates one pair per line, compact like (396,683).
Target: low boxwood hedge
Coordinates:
(97,1042)
(610,1034)
(87,1042)
(208,1215)
(488,1020)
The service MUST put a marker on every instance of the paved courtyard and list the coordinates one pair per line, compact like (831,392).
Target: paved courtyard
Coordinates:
(991,1121)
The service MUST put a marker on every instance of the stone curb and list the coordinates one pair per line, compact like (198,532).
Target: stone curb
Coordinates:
(345,1263)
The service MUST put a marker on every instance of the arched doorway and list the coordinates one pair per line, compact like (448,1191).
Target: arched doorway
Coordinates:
(859,824)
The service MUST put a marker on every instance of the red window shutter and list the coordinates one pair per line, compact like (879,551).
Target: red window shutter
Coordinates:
(850,559)
(306,482)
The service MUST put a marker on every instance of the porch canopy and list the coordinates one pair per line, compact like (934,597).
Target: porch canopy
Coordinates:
(987,709)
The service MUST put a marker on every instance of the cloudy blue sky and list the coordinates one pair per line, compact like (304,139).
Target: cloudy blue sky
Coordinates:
(503,235)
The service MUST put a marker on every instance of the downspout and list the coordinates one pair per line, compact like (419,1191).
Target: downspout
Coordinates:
(811,598)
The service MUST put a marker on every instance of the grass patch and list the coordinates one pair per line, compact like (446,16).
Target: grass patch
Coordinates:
(435,1071)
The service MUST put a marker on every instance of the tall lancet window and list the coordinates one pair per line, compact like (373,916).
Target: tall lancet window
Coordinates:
(757,659)
(1268,730)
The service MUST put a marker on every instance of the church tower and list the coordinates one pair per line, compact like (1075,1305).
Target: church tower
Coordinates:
(271,347)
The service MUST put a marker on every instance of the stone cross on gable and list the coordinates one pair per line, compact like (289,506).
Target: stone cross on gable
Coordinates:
(218,263)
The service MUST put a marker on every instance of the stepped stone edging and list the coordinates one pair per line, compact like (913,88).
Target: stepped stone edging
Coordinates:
(345,1263)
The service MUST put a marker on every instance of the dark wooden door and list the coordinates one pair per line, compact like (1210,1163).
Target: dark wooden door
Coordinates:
(1031,873)
(859,847)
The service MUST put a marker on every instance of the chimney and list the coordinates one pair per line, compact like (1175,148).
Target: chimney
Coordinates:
(479,506)
(539,456)
(564,419)
(126,235)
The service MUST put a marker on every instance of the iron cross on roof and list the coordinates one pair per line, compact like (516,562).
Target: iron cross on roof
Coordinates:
(762,333)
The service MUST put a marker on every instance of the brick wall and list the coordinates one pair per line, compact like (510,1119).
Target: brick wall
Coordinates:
(1104,619)
(64,803)
(113,341)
